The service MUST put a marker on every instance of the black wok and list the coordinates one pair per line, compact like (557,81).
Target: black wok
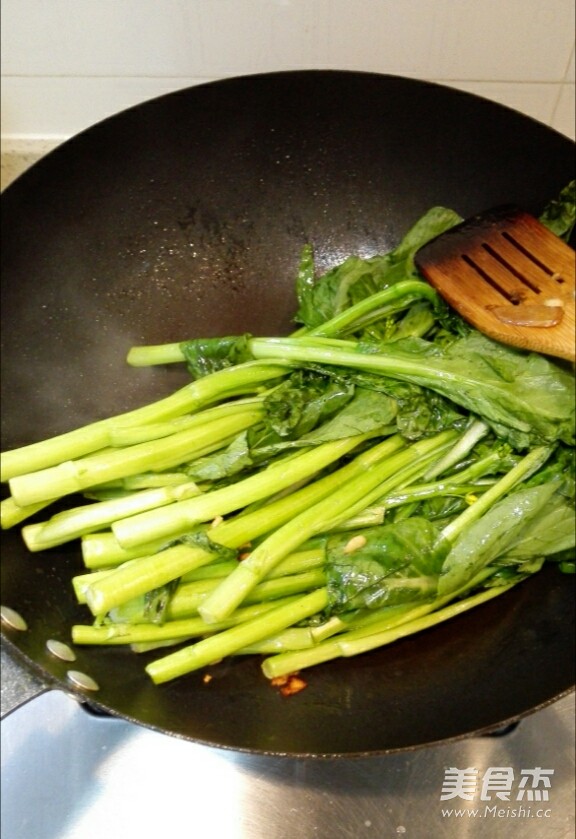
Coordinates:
(185,216)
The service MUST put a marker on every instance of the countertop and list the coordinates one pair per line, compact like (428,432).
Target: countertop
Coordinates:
(19,155)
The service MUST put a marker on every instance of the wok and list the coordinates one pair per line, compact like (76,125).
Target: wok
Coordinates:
(185,216)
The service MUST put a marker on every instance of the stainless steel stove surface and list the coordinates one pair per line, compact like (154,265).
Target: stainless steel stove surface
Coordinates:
(68,774)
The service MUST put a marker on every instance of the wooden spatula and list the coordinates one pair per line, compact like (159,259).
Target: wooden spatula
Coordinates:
(508,276)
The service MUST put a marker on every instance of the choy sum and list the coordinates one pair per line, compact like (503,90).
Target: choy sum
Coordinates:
(381,470)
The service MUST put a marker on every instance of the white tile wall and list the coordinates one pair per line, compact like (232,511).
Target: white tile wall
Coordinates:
(66,64)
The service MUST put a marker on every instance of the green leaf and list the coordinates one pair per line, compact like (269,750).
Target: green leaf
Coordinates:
(551,531)
(527,399)
(395,564)
(559,215)
(367,412)
(304,400)
(226,463)
(357,277)
(207,355)
(493,535)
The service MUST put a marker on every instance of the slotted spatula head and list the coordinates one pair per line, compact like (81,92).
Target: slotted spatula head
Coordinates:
(510,277)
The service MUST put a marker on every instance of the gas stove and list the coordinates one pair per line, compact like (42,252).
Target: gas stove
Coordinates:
(68,773)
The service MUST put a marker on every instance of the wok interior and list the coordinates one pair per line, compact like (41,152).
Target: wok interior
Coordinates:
(185,216)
